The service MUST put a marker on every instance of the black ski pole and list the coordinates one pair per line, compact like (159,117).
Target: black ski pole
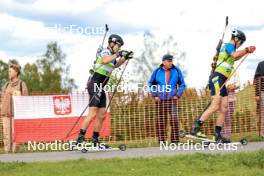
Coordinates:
(225,83)
(116,87)
(77,121)
(215,58)
(218,47)
(91,72)
(100,48)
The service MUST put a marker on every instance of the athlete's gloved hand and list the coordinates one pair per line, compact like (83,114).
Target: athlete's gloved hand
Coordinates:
(129,55)
(250,49)
(213,65)
(126,54)
(122,53)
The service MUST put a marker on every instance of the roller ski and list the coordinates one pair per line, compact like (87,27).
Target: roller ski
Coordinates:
(196,130)
(84,145)
(215,140)
(90,147)
(197,134)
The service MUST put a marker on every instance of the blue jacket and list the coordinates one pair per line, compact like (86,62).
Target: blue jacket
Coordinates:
(161,88)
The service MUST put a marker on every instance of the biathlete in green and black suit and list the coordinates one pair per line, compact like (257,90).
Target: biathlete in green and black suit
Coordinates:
(226,59)
(107,60)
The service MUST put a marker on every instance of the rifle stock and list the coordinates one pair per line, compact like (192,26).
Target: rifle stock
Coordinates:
(218,47)
(213,65)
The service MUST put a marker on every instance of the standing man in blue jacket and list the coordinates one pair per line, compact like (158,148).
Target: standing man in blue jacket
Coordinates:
(166,86)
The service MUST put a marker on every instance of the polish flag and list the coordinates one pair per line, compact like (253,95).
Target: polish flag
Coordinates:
(50,118)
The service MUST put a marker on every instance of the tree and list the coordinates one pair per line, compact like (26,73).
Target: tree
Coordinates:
(54,73)
(13,61)
(150,57)
(146,62)
(31,76)
(49,74)
(171,47)
(3,73)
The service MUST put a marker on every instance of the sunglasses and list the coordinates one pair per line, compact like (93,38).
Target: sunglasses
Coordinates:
(241,42)
(118,44)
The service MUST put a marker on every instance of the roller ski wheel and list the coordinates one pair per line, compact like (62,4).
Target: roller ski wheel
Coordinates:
(84,150)
(206,143)
(182,134)
(103,146)
(122,147)
(71,148)
(244,141)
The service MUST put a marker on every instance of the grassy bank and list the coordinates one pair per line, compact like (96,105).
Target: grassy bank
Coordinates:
(198,164)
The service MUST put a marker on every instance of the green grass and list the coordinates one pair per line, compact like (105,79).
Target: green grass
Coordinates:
(239,164)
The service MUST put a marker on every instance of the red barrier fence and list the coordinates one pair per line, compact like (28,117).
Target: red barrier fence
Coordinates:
(133,116)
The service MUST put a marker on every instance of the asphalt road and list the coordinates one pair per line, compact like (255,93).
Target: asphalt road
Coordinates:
(129,153)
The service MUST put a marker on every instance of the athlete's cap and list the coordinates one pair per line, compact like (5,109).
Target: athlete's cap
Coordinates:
(167,57)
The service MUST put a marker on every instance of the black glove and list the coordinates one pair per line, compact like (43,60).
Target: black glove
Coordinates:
(128,55)
(122,53)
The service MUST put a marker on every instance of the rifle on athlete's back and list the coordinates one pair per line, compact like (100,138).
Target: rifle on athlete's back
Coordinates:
(100,48)
(218,47)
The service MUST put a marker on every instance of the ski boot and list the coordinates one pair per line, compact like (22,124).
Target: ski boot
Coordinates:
(196,130)
(218,138)
(80,139)
(96,143)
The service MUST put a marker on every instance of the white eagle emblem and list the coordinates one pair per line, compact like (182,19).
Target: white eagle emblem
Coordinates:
(62,105)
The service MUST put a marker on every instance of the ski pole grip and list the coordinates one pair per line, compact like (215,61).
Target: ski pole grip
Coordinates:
(219,45)
(106,27)
(226,20)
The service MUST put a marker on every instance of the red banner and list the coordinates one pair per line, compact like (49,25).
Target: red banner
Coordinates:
(50,118)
